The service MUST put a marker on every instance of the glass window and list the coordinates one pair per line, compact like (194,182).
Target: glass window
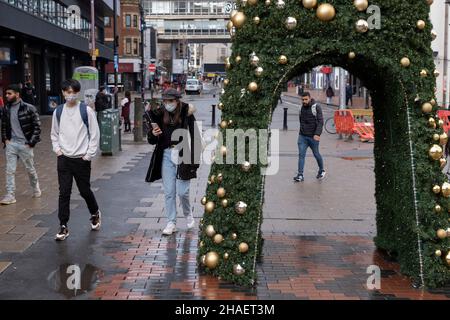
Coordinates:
(107,21)
(128,21)
(128,46)
(135,47)
(135,21)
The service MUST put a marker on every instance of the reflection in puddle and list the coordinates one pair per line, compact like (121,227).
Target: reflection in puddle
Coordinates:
(73,280)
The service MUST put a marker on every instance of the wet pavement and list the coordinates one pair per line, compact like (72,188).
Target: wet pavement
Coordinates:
(312,250)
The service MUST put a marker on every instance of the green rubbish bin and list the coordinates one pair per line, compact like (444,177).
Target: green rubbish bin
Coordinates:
(109,131)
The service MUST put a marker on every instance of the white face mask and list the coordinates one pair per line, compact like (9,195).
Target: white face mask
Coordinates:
(170,106)
(70,97)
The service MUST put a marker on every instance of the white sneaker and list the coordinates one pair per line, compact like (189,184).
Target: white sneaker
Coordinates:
(8,199)
(37,193)
(190,221)
(169,229)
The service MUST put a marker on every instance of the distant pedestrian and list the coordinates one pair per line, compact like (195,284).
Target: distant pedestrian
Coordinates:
(29,93)
(348,94)
(75,137)
(330,94)
(125,104)
(311,127)
(165,164)
(101,102)
(21,130)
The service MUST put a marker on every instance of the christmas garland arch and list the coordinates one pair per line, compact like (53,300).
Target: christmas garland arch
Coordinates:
(275,40)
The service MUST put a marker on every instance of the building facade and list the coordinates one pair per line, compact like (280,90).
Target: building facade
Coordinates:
(44,41)
(128,30)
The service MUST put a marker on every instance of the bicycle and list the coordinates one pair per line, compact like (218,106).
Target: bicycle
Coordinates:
(330,126)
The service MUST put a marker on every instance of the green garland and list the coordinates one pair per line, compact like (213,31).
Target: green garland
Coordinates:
(394,89)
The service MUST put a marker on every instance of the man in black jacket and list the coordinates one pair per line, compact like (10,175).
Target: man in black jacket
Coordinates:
(311,126)
(21,129)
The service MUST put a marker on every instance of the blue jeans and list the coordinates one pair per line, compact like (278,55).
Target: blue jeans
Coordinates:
(303,144)
(173,186)
(15,151)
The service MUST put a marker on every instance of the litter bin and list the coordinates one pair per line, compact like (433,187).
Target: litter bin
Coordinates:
(109,131)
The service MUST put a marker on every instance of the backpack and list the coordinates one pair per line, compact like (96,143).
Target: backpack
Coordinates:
(83,112)
(313,109)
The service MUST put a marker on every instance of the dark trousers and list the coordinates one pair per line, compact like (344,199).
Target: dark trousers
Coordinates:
(127,123)
(80,170)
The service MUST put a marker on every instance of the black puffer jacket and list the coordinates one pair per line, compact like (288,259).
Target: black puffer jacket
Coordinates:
(184,171)
(29,122)
(310,124)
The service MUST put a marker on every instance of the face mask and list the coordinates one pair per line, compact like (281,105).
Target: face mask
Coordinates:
(170,106)
(70,97)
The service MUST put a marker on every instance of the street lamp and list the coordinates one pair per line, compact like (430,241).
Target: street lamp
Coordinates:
(143,27)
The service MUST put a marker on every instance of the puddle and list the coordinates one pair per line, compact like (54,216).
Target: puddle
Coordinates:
(73,280)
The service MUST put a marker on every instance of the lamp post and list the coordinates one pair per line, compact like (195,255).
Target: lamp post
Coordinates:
(143,27)
(116,56)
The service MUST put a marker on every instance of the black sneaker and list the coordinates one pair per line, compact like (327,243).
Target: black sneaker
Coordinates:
(321,175)
(62,234)
(299,178)
(96,221)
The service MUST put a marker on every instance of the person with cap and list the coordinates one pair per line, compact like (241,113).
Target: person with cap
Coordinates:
(176,157)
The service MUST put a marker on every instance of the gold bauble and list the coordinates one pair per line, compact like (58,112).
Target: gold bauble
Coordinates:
(246,166)
(233,13)
(431,122)
(436,73)
(220,178)
(447,258)
(241,207)
(437,189)
(268,2)
(212,260)
(433,35)
(204,201)
(421,24)
(230,25)
(226,255)
(203,259)
(210,232)
(226,82)
(218,238)
(220,106)
(351,55)
(223,150)
(253,86)
(435,152)
(254,60)
(441,234)
(361,5)
(221,192)
(212,179)
(435,137)
(228,65)
(442,162)
(223,124)
(256,20)
(405,62)
(443,139)
(224,203)
(437,208)
(243,247)
(290,23)
(440,123)
(210,206)
(243,3)
(252,2)
(238,270)
(427,107)
(438,253)
(230,122)
(202,244)
(282,59)
(259,71)
(309,4)
(362,26)
(280,4)
(433,102)
(423,73)
(238,19)
(326,12)
(238,59)
(446,189)
(234,236)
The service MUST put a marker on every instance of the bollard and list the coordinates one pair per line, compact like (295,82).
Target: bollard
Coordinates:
(213,117)
(138,118)
(285,126)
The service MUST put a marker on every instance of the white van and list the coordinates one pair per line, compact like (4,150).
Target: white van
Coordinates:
(193,85)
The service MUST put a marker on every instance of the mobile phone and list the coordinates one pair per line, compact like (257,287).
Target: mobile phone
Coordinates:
(154,125)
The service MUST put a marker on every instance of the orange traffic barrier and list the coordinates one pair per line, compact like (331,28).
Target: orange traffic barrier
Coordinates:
(355,121)
(444,116)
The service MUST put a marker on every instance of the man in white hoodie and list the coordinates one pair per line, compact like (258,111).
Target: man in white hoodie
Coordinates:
(75,137)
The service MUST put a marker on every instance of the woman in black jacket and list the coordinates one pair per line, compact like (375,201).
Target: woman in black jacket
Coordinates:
(176,157)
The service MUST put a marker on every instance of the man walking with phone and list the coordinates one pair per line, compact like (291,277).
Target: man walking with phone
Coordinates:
(311,127)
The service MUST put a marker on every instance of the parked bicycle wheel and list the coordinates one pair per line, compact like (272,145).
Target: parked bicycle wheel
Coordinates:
(330,127)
